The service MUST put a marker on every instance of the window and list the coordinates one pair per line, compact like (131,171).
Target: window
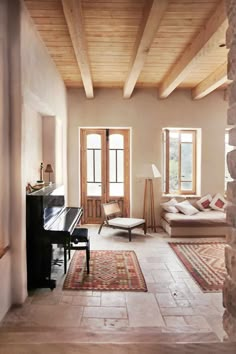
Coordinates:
(228,148)
(179,148)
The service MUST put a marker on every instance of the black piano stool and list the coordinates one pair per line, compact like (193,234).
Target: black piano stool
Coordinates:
(80,235)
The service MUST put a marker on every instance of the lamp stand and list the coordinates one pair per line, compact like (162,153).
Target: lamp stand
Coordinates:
(148,205)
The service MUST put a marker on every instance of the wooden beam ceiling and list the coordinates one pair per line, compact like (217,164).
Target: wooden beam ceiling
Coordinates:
(153,14)
(204,42)
(74,18)
(212,82)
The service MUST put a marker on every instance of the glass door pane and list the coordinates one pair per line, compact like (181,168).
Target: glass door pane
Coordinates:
(94,165)
(116,165)
(174,161)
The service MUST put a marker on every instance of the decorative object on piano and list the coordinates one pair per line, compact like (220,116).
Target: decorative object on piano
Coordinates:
(109,270)
(41,181)
(49,170)
(34,188)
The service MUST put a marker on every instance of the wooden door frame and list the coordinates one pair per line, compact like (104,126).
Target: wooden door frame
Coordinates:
(126,132)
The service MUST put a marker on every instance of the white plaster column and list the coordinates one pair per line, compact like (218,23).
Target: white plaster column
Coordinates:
(229,291)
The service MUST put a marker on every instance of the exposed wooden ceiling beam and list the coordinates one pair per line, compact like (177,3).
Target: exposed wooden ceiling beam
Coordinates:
(153,14)
(209,37)
(212,82)
(74,18)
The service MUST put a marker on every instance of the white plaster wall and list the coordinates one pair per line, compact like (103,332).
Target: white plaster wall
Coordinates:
(43,93)
(35,89)
(5,261)
(32,151)
(147,115)
(5,279)
(42,87)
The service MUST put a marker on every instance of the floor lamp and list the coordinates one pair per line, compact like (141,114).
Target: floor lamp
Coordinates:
(148,202)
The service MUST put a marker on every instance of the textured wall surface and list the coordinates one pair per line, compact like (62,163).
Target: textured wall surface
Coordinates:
(229,292)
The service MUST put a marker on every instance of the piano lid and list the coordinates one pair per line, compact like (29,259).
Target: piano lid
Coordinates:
(52,189)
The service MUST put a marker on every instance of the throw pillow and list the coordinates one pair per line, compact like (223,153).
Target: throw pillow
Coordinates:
(204,202)
(186,208)
(170,206)
(218,202)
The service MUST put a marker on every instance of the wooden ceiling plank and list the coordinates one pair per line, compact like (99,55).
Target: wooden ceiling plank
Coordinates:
(74,18)
(211,83)
(151,21)
(205,41)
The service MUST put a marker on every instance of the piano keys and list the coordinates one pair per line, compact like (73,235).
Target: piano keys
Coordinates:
(48,222)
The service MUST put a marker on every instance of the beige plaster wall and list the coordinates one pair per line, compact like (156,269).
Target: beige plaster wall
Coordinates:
(147,115)
(32,152)
(5,261)
(35,89)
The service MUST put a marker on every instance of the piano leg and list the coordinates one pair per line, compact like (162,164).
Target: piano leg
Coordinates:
(65,259)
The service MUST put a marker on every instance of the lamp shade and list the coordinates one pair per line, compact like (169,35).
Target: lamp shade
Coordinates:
(49,168)
(155,171)
(150,171)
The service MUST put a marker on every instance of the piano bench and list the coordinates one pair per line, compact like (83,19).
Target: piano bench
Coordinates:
(80,235)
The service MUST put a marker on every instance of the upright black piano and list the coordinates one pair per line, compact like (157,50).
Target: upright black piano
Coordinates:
(48,222)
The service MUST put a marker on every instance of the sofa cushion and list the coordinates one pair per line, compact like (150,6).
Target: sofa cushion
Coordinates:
(209,218)
(170,206)
(218,202)
(204,202)
(186,208)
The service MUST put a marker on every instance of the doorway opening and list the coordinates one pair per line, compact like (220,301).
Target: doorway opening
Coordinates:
(105,171)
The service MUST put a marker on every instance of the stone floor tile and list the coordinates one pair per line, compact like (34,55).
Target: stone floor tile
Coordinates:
(152,266)
(96,293)
(115,323)
(180,275)
(92,322)
(158,288)
(162,275)
(105,312)
(165,300)
(66,299)
(176,311)
(183,303)
(86,301)
(114,298)
(57,316)
(174,321)
(197,321)
(143,310)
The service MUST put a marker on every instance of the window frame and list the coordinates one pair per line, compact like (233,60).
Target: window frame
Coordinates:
(230,179)
(166,161)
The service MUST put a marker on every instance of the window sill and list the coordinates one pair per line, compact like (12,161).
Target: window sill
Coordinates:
(3,251)
(181,195)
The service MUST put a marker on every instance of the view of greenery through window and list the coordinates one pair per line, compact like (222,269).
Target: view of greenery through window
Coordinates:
(181,161)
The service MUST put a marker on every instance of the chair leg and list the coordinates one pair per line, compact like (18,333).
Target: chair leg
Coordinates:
(100,228)
(65,259)
(87,259)
(145,228)
(69,253)
(129,235)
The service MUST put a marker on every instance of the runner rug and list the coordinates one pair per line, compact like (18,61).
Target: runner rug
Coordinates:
(205,262)
(109,270)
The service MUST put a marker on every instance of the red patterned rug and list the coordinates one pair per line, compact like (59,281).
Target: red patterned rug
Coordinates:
(109,270)
(204,261)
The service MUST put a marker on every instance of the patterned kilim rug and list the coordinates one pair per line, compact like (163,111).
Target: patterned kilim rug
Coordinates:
(204,261)
(109,270)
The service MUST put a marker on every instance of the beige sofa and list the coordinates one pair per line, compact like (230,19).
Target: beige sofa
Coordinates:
(204,223)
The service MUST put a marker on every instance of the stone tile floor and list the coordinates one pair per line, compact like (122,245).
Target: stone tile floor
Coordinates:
(173,303)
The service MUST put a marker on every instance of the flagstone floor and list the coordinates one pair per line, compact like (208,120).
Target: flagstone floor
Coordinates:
(174,303)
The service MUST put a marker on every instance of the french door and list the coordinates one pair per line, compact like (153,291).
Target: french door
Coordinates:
(105,166)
